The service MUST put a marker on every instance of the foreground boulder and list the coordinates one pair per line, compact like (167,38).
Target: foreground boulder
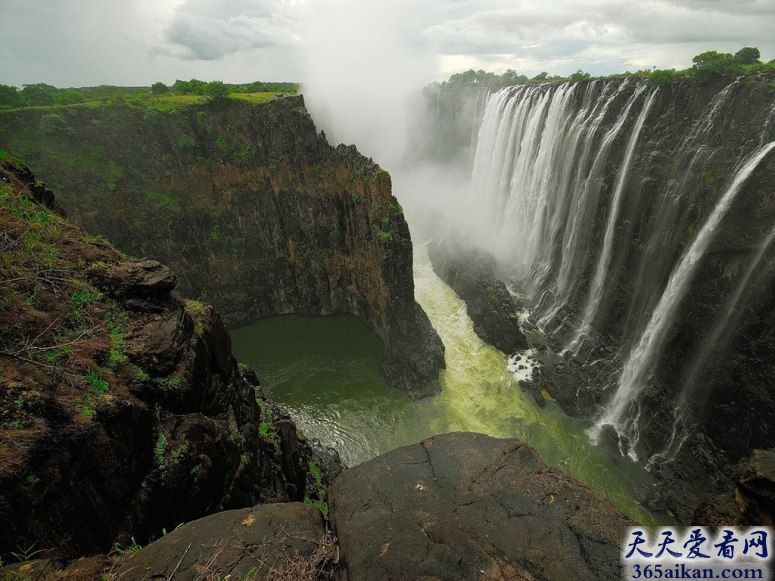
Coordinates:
(468,506)
(279,541)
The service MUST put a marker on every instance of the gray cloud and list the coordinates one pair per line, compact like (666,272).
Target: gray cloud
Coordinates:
(211,29)
(74,42)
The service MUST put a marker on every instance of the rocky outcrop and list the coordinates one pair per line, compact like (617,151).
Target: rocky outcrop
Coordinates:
(274,541)
(122,410)
(467,506)
(755,492)
(456,506)
(251,207)
(269,542)
(472,275)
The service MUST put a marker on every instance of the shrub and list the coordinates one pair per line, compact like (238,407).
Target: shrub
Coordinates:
(159,88)
(711,64)
(53,124)
(217,90)
(580,75)
(747,55)
(10,97)
(661,76)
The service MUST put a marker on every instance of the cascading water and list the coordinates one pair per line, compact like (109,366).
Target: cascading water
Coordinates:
(639,363)
(596,291)
(603,200)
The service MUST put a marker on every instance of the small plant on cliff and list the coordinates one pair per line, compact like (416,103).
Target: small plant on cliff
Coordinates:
(186,141)
(195,306)
(159,449)
(96,382)
(264,430)
(316,473)
(318,504)
(178,453)
(119,549)
(80,299)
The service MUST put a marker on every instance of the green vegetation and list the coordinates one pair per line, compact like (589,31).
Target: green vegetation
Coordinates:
(159,449)
(318,504)
(158,96)
(317,475)
(119,549)
(96,382)
(706,66)
(32,480)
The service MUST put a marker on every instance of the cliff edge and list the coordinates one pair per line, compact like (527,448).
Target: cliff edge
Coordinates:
(252,208)
(122,409)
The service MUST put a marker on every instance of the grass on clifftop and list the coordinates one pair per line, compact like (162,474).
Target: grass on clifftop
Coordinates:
(165,103)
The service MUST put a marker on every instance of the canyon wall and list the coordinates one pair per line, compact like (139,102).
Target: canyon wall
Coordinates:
(252,208)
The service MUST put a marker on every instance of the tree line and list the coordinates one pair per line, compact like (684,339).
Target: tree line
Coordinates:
(705,67)
(45,95)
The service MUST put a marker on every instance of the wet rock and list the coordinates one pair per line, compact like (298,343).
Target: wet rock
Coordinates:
(471,274)
(610,440)
(755,491)
(135,278)
(467,506)
(328,459)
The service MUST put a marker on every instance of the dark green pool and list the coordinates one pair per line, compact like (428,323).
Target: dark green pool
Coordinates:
(326,373)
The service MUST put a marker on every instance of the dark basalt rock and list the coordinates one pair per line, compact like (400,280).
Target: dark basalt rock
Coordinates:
(237,544)
(20,175)
(472,275)
(467,506)
(136,278)
(144,422)
(755,492)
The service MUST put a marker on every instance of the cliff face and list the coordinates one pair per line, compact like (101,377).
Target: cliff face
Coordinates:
(254,210)
(122,409)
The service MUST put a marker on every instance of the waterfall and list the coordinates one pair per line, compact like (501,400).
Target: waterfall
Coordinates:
(600,201)
(596,292)
(639,364)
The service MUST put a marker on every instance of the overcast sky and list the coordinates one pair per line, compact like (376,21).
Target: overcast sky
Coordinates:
(137,42)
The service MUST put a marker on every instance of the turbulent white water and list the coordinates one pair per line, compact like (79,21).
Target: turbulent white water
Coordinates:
(562,176)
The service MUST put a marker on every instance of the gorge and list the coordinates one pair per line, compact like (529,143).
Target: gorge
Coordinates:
(606,244)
